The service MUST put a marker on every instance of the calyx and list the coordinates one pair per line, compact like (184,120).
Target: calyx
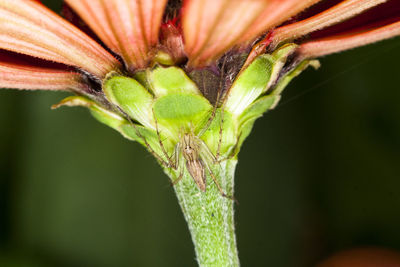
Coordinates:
(157,106)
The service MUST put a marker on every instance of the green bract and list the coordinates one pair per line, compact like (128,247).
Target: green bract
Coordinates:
(163,103)
(131,97)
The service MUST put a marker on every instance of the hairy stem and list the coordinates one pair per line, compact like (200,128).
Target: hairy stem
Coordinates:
(210,216)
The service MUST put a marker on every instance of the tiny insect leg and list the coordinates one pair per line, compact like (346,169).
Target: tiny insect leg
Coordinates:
(149,148)
(179,166)
(222,109)
(221,191)
(211,118)
(208,124)
(169,161)
(179,177)
(220,134)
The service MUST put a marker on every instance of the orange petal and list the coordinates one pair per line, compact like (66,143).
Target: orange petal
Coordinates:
(338,13)
(30,28)
(23,76)
(338,43)
(277,12)
(129,28)
(151,15)
(375,17)
(212,27)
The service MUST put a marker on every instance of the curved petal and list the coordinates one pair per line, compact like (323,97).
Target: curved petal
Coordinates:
(20,75)
(277,12)
(340,12)
(212,27)
(375,17)
(30,28)
(340,43)
(129,28)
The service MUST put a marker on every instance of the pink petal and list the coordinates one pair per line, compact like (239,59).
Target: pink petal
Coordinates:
(151,15)
(340,43)
(30,28)
(212,27)
(129,28)
(378,16)
(20,75)
(70,15)
(340,12)
(277,12)
(313,10)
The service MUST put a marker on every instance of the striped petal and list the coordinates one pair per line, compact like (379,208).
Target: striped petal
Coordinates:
(129,28)
(277,12)
(29,28)
(336,14)
(338,43)
(380,15)
(212,27)
(20,75)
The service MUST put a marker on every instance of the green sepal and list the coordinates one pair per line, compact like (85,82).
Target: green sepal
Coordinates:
(140,134)
(258,108)
(257,79)
(74,101)
(129,95)
(180,112)
(285,80)
(129,130)
(110,119)
(245,131)
(169,80)
(250,115)
(283,52)
(279,57)
(249,85)
(163,58)
(227,134)
(141,77)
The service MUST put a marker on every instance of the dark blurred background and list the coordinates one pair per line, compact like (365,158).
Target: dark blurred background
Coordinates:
(319,174)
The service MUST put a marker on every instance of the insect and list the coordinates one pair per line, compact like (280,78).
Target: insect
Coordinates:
(189,147)
(192,153)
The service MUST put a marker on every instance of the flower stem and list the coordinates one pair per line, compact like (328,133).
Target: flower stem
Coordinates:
(210,216)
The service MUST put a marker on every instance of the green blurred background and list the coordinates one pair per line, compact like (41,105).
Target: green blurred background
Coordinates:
(320,173)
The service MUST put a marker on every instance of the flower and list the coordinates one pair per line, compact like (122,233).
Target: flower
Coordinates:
(186,79)
(196,32)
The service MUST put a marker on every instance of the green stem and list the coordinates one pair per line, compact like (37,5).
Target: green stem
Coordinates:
(210,216)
